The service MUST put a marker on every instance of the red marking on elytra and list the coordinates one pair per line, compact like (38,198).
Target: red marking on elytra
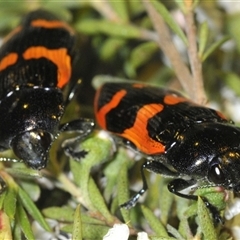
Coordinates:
(101,114)
(138,133)
(51,24)
(59,57)
(173,99)
(8,60)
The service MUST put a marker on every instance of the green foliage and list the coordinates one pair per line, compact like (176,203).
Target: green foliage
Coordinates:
(205,221)
(169,20)
(83,197)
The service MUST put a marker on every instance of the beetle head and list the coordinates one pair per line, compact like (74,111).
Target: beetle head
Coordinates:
(224,170)
(32,147)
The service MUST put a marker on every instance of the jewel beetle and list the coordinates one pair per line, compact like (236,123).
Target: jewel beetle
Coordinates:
(35,87)
(190,143)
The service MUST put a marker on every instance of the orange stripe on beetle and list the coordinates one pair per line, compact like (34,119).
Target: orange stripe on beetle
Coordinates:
(138,85)
(138,133)
(173,99)
(220,115)
(101,114)
(57,56)
(51,24)
(8,60)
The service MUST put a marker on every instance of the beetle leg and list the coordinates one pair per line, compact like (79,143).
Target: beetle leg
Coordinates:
(81,126)
(152,166)
(160,168)
(132,202)
(174,187)
(69,147)
(177,185)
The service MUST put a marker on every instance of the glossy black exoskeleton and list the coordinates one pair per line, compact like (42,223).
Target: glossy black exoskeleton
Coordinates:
(193,144)
(35,72)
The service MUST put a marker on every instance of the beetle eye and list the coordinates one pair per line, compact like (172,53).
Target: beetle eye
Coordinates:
(215,174)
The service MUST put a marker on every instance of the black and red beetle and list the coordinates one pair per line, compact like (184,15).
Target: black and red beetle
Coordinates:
(192,144)
(35,87)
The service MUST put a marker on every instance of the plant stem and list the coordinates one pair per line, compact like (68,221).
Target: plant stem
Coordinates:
(194,59)
(169,49)
(192,82)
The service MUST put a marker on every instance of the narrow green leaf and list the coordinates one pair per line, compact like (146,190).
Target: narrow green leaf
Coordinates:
(31,188)
(17,232)
(182,205)
(98,201)
(110,28)
(90,231)
(191,210)
(110,47)
(232,80)
(32,209)
(93,231)
(213,47)
(203,38)
(215,196)
(77,224)
(173,231)
(154,222)
(165,200)
(205,221)
(99,150)
(111,172)
(2,197)
(231,23)
(64,213)
(123,191)
(24,222)
(76,171)
(142,53)
(8,21)
(180,4)
(130,70)
(114,205)
(5,227)
(169,20)
(9,204)
(121,8)
(135,7)
(225,235)
(184,229)
(22,171)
